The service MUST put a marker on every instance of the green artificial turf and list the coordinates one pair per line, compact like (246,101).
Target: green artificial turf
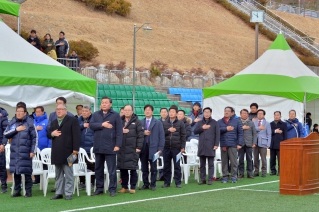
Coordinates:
(242,198)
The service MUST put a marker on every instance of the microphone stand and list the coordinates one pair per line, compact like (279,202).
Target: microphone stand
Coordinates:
(292,124)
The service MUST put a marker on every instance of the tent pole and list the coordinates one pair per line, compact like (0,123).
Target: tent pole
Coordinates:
(96,95)
(304,108)
(19,23)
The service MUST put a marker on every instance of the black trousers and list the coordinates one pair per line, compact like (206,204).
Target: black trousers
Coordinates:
(248,151)
(99,171)
(274,154)
(145,162)
(28,183)
(125,178)
(168,155)
(3,170)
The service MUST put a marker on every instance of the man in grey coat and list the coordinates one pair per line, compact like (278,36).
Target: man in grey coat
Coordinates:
(250,141)
(263,142)
(209,134)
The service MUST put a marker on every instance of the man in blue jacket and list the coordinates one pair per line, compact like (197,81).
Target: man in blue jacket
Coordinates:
(86,140)
(231,140)
(154,139)
(3,142)
(41,122)
(108,134)
(294,127)
(23,138)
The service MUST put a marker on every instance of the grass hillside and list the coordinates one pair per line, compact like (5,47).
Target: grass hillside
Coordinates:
(186,33)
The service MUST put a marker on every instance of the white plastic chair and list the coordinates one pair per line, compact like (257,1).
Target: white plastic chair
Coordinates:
(217,162)
(7,150)
(191,150)
(46,159)
(194,141)
(80,169)
(37,168)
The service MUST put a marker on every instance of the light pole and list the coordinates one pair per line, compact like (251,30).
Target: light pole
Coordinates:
(147,27)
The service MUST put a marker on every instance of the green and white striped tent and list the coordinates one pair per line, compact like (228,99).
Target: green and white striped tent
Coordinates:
(29,75)
(278,80)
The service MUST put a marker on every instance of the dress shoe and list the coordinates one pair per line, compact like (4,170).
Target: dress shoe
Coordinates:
(27,195)
(132,191)
(69,197)
(256,175)
(153,188)
(165,186)
(96,193)
(16,194)
(4,190)
(53,190)
(210,182)
(179,186)
(57,196)
(123,190)
(273,173)
(241,176)
(112,194)
(202,182)
(144,187)
(263,175)
(250,177)
(160,179)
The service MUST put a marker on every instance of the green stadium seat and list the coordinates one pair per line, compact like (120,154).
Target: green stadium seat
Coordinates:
(101,93)
(139,111)
(108,87)
(138,95)
(137,88)
(110,94)
(143,88)
(128,88)
(145,96)
(121,88)
(100,86)
(151,88)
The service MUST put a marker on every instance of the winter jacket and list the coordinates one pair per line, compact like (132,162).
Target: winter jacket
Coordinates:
(106,139)
(69,140)
(22,144)
(43,140)
(231,138)
(207,138)
(156,139)
(276,138)
(127,157)
(36,40)
(263,136)
(3,140)
(188,128)
(87,134)
(291,130)
(47,48)
(62,50)
(193,124)
(177,139)
(309,122)
(250,135)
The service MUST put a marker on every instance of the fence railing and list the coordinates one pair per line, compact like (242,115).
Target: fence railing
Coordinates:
(106,76)
(70,63)
(294,8)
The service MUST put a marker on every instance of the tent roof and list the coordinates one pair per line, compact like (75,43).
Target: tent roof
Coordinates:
(11,8)
(22,64)
(278,72)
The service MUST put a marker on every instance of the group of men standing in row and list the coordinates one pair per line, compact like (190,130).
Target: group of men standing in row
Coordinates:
(120,141)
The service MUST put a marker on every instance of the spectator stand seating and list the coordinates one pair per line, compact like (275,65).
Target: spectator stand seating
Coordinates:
(188,94)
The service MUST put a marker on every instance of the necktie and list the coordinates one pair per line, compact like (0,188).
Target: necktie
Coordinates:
(259,123)
(147,126)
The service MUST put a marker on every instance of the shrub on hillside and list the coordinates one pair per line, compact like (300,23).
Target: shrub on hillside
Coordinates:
(84,49)
(120,7)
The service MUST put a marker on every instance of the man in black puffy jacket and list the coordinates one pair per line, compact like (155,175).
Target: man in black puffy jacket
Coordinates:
(3,142)
(187,121)
(23,137)
(128,156)
(175,140)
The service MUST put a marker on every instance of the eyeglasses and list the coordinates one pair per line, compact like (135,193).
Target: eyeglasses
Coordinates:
(60,109)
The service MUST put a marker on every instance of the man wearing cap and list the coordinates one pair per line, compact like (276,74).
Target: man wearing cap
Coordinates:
(196,115)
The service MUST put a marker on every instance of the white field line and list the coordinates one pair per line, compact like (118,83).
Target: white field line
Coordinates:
(246,189)
(166,197)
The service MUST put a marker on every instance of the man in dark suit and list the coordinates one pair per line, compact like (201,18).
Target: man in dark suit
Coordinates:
(154,139)
(278,134)
(66,137)
(108,135)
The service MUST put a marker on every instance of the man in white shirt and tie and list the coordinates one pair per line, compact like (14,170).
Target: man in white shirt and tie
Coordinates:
(154,139)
